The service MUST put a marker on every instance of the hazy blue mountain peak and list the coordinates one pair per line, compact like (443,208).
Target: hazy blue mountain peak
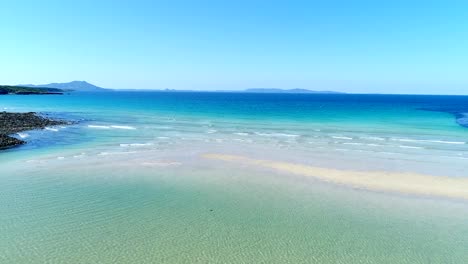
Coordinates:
(80,86)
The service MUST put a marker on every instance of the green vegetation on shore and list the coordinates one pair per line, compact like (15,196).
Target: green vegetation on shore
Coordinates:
(7,89)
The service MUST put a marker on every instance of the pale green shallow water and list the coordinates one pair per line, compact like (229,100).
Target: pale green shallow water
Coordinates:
(164,216)
(83,195)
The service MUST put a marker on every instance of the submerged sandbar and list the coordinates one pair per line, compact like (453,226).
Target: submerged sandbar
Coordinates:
(408,183)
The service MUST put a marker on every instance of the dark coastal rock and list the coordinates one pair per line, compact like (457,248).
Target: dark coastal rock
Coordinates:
(8,142)
(16,122)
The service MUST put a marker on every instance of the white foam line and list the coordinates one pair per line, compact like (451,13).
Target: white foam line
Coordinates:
(112,126)
(124,127)
(445,142)
(51,129)
(285,135)
(136,144)
(275,134)
(339,137)
(23,135)
(409,147)
(429,141)
(374,138)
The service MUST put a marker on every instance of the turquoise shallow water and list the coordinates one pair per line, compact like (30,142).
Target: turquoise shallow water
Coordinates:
(127,184)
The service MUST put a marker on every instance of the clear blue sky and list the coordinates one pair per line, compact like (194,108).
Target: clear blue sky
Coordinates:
(353,46)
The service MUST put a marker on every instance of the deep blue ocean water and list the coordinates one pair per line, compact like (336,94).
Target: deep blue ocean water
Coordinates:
(420,121)
(291,107)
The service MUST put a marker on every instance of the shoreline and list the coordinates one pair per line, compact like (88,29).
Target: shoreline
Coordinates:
(11,123)
(21,90)
(404,183)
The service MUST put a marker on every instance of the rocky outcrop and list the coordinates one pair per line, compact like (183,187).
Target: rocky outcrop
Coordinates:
(16,122)
(8,142)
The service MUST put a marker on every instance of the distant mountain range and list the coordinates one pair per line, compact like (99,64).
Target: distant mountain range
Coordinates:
(83,86)
(278,90)
(79,86)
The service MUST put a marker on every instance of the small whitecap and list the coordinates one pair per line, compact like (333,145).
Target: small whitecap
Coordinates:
(285,135)
(342,137)
(374,138)
(23,135)
(409,147)
(124,127)
(445,142)
(275,134)
(136,144)
(374,145)
(429,141)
